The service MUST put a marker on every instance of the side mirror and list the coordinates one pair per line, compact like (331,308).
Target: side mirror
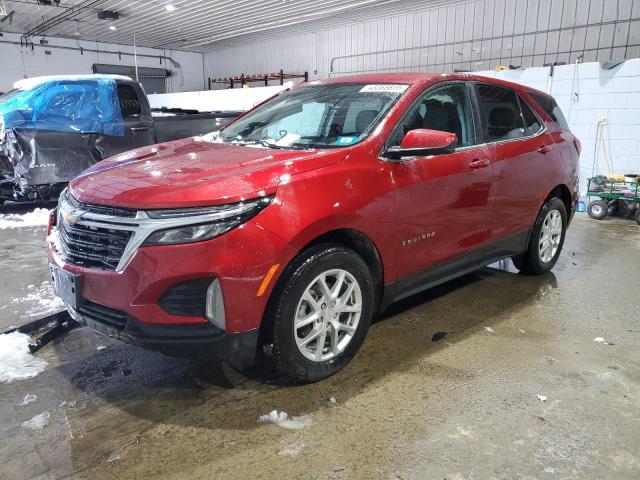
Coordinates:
(422,142)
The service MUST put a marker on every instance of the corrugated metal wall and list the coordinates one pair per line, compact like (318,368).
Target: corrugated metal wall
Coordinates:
(476,35)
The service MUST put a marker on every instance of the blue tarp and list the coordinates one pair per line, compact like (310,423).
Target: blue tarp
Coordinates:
(81,106)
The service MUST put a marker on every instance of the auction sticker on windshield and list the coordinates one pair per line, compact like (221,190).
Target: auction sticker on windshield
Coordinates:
(384,88)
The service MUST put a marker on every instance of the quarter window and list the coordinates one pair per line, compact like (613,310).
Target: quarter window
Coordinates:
(531,122)
(550,106)
(446,109)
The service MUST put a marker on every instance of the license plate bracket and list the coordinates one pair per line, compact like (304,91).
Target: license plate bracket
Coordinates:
(67,286)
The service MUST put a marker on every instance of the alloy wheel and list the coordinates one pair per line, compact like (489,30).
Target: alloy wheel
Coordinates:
(550,236)
(327,315)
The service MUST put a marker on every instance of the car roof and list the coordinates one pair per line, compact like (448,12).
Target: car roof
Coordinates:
(31,82)
(425,78)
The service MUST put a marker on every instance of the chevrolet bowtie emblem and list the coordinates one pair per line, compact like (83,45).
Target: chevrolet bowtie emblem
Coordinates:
(72,216)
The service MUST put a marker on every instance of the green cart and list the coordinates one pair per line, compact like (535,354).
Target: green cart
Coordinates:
(612,196)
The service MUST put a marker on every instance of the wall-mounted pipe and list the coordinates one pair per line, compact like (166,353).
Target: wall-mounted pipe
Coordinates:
(94,50)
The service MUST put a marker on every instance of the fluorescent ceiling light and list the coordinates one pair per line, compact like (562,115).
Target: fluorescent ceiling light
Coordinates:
(170,8)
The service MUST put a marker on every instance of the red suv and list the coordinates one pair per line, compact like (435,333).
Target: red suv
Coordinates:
(288,230)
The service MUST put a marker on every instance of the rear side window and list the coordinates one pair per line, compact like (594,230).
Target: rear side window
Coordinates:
(129,101)
(550,106)
(500,111)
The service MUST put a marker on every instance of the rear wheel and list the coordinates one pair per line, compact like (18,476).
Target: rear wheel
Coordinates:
(547,239)
(638,215)
(321,316)
(598,209)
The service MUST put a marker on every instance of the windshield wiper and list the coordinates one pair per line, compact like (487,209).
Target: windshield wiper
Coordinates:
(264,143)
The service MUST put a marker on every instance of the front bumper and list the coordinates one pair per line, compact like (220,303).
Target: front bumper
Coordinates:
(239,259)
(199,341)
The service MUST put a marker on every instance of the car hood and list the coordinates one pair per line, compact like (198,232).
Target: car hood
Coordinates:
(194,172)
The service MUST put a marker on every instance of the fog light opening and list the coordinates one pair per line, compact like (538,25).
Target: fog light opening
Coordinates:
(215,305)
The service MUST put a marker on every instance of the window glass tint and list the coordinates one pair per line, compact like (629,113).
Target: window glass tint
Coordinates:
(305,122)
(359,116)
(500,112)
(129,101)
(331,115)
(531,122)
(445,109)
(550,106)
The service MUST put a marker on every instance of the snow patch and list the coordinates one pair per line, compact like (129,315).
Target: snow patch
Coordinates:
(114,457)
(101,347)
(294,450)
(16,362)
(282,420)
(38,218)
(38,422)
(41,301)
(28,398)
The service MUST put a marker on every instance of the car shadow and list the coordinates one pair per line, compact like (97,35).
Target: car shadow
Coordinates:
(154,388)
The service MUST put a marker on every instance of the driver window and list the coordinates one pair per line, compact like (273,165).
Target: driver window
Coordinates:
(446,109)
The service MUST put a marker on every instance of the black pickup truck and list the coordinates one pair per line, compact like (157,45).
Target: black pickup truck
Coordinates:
(53,128)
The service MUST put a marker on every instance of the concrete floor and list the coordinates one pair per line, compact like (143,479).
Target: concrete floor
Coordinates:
(463,407)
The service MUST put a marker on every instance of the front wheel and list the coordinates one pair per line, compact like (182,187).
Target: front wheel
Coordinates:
(321,316)
(547,239)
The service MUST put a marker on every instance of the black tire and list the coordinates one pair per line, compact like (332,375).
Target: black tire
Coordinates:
(612,208)
(637,215)
(280,338)
(530,262)
(598,209)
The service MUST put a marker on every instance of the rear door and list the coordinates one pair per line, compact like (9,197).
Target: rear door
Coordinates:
(521,152)
(138,123)
(441,200)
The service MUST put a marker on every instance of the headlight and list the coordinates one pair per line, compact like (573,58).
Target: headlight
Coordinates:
(206,222)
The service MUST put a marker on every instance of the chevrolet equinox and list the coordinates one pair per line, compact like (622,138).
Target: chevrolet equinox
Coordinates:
(284,233)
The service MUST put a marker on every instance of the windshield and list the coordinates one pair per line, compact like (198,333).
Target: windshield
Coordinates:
(334,115)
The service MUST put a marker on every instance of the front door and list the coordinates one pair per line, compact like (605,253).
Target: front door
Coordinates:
(441,200)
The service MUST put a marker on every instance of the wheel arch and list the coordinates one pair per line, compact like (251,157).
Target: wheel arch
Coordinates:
(353,239)
(563,193)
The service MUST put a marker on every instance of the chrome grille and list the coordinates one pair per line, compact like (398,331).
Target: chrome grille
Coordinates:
(98,209)
(92,247)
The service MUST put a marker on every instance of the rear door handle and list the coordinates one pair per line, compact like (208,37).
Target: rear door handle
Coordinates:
(139,129)
(479,163)
(545,149)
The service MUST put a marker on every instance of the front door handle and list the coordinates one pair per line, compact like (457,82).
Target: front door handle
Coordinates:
(545,149)
(139,129)
(480,163)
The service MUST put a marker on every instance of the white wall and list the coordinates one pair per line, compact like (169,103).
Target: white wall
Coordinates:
(610,94)
(18,62)
(472,35)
